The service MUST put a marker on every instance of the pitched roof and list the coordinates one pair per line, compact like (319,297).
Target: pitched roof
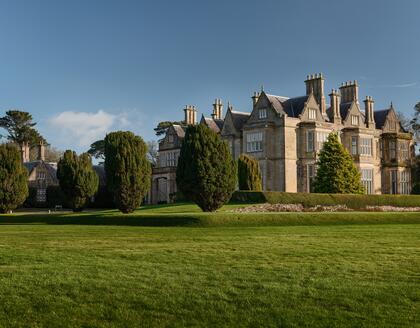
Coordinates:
(344,108)
(179,130)
(380,117)
(212,123)
(294,106)
(239,119)
(51,167)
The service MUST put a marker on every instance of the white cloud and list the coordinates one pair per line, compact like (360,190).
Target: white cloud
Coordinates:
(82,128)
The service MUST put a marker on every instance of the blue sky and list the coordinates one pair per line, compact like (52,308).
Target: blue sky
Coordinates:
(83,68)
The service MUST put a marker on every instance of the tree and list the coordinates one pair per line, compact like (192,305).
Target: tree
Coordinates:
(336,172)
(162,127)
(415,122)
(20,128)
(13,179)
(206,172)
(152,151)
(97,149)
(249,175)
(128,172)
(78,181)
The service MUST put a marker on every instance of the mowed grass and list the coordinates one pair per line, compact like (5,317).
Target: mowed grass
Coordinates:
(57,272)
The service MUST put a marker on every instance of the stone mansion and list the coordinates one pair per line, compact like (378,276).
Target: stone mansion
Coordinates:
(286,134)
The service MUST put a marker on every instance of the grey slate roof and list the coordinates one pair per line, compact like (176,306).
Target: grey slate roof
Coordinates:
(179,130)
(380,117)
(294,106)
(212,123)
(51,168)
(239,119)
(344,108)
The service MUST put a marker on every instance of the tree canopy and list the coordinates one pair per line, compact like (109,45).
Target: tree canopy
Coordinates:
(13,178)
(78,181)
(128,172)
(20,128)
(336,172)
(206,172)
(249,175)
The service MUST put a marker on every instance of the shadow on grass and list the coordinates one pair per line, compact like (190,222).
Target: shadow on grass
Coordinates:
(90,219)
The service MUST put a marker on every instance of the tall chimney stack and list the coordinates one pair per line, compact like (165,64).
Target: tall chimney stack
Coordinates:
(190,115)
(25,152)
(41,151)
(255,98)
(349,91)
(217,109)
(335,106)
(315,84)
(369,114)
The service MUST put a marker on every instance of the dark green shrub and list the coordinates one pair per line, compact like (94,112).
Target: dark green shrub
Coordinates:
(352,201)
(78,181)
(128,172)
(336,172)
(206,172)
(103,199)
(249,175)
(13,179)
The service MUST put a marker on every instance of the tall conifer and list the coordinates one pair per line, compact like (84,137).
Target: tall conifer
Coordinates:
(249,175)
(206,172)
(336,172)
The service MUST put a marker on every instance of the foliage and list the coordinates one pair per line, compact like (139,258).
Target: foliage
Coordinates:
(206,172)
(249,175)
(162,127)
(152,151)
(77,178)
(127,169)
(415,122)
(13,179)
(336,172)
(356,202)
(97,149)
(20,128)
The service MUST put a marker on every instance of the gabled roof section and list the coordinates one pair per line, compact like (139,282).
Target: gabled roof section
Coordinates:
(179,130)
(51,169)
(276,102)
(380,117)
(239,119)
(212,123)
(344,109)
(294,106)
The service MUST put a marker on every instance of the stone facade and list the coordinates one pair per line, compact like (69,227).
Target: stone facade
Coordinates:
(286,134)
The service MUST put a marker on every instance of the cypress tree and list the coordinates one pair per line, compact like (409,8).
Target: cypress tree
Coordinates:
(206,172)
(128,172)
(78,180)
(13,179)
(336,172)
(249,175)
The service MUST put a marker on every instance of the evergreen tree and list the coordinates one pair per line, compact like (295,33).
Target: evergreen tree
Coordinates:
(336,172)
(249,175)
(128,172)
(13,179)
(78,181)
(206,172)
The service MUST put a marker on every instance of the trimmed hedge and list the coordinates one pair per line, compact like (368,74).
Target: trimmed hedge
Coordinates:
(311,199)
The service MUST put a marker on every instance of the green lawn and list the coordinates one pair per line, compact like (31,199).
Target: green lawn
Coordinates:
(103,269)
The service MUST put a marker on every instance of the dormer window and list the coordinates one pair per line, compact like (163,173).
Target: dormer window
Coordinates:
(40,176)
(262,113)
(312,114)
(171,138)
(355,120)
